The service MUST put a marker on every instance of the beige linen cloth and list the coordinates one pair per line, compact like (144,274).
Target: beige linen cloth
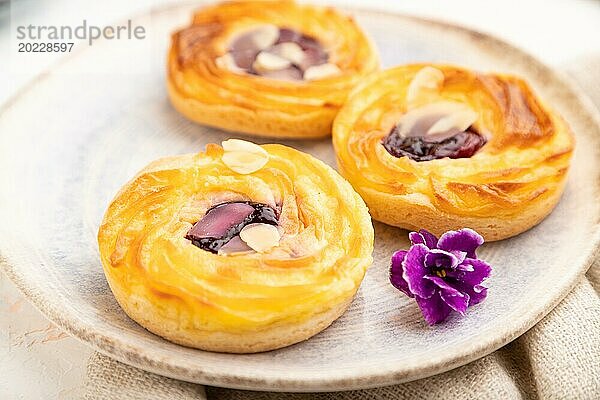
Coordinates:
(559,358)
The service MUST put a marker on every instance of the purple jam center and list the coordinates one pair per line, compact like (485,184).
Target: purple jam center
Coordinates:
(460,145)
(221,225)
(244,53)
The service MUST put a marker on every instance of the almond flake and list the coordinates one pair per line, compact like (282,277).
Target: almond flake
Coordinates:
(290,51)
(321,71)
(242,145)
(243,157)
(260,237)
(460,119)
(227,62)
(439,119)
(425,84)
(266,62)
(235,246)
(265,36)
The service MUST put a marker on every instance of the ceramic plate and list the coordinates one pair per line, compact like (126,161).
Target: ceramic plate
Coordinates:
(79,131)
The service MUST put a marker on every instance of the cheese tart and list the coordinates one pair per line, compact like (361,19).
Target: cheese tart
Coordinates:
(439,147)
(241,248)
(267,68)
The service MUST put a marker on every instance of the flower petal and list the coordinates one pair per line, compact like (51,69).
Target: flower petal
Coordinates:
(461,255)
(423,237)
(430,239)
(465,267)
(476,293)
(465,239)
(454,298)
(414,271)
(458,302)
(436,258)
(396,272)
(434,309)
(480,271)
(416,238)
(469,282)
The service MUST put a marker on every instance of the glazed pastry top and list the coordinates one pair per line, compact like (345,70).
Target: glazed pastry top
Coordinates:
(524,151)
(325,245)
(197,70)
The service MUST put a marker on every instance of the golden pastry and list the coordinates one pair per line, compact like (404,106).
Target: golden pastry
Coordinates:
(441,148)
(268,68)
(242,248)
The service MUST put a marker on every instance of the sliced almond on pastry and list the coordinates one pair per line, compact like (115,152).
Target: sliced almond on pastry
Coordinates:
(290,73)
(227,62)
(265,36)
(290,51)
(260,237)
(425,84)
(242,145)
(266,62)
(321,71)
(246,45)
(460,119)
(243,157)
(437,121)
(234,247)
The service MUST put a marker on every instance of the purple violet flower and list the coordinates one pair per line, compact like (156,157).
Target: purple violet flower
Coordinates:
(441,275)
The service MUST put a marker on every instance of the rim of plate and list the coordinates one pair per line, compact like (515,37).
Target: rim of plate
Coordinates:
(346,379)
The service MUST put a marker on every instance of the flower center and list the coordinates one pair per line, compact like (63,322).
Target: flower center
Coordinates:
(218,231)
(440,272)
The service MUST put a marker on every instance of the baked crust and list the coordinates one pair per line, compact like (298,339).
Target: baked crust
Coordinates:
(511,184)
(238,303)
(207,94)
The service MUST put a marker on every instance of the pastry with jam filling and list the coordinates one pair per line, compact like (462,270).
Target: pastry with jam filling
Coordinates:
(241,248)
(438,147)
(267,68)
